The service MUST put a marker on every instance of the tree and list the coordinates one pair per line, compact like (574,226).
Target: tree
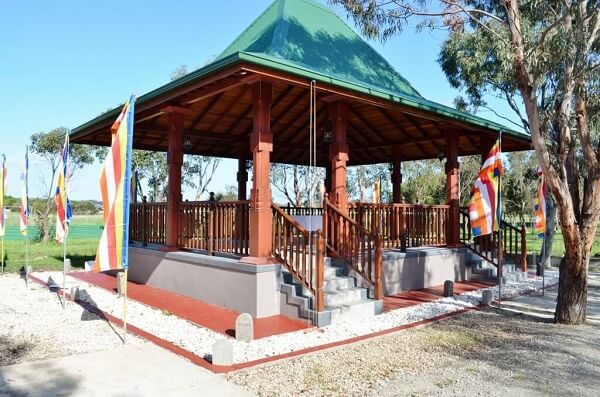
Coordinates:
(152,167)
(363,177)
(48,147)
(296,182)
(198,172)
(543,58)
(424,182)
(519,185)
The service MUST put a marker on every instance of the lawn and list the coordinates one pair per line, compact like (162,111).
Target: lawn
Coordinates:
(534,244)
(81,245)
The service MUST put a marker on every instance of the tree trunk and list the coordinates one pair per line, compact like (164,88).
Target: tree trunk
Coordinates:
(572,290)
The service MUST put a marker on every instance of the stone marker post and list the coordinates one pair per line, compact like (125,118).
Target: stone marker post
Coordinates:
(222,352)
(244,328)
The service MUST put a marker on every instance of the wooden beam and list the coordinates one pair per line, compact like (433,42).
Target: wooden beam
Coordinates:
(205,111)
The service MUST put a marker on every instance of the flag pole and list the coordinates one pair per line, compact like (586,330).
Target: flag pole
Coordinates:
(26,214)
(500,226)
(3,220)
(65,225)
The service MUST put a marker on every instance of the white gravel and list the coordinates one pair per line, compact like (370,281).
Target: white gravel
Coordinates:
(199,340)
(34,325)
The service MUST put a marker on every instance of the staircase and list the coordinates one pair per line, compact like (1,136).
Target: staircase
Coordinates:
(482,253)
(343,300)
(317,287)
(483,269)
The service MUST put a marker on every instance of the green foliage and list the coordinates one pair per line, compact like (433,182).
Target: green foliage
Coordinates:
(423,182)
(152,167)
(362,178)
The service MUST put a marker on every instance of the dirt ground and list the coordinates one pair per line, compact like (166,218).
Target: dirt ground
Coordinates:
(488,353)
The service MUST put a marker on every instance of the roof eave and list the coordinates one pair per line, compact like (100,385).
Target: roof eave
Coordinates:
(171,86)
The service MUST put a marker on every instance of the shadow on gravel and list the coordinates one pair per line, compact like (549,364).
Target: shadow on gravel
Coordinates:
(39,378)
(542,356)
(91,311)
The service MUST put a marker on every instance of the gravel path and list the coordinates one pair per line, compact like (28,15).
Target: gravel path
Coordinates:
(200,340)
(34,326)
(488,353)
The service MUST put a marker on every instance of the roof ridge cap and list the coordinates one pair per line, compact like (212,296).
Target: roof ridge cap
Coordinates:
(281,29)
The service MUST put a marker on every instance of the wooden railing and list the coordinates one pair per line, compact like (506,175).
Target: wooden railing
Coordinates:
(358,247)
(300,252)
(302,211)
(214,226)
(514,244)
(403,225)
(148,223)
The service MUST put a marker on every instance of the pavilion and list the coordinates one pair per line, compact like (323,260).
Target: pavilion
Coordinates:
(253,103)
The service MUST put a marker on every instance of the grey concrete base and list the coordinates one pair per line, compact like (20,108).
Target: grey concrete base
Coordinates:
(136,370)
(422,268)
(217,280)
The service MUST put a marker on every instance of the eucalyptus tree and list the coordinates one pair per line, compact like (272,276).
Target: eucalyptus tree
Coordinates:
(542,57)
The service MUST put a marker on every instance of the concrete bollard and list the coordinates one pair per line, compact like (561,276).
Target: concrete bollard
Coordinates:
(448,288)
(67,265)
(121,284)
(222,352)
(486,297)
(73,292)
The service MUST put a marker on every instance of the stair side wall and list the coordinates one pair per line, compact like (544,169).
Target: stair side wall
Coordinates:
(420,268)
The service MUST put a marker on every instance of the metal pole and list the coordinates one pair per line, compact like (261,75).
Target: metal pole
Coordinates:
(3,254)
(500,225)
(542,267)
(125,309)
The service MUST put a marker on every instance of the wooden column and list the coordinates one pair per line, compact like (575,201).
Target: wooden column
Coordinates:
(338,154)
(328,178)
(396,178)
(452,187)
(261,146)
(174,163)
(242,177)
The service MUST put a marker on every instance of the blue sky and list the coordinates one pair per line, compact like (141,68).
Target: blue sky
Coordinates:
(64,62)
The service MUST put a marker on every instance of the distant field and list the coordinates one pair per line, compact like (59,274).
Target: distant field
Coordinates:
(84,233)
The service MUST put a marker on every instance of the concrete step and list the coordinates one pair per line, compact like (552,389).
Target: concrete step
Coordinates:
(355,311)
(336,283)
(343,296)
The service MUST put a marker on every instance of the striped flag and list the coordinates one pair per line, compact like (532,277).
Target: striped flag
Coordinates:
(3,174)
(484,208)
(24,194)
(115,179)
(63,205)
(540,205)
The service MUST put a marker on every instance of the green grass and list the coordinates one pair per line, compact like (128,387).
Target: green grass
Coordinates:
(83,239)
(534,244)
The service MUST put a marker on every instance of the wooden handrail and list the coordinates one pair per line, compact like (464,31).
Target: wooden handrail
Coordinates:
(148,223)
(301,253)
(514,243)
(353,243)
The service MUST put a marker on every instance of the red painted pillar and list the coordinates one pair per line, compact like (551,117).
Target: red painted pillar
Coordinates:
(174,163)
(242,177)
(396,178)
(328,178)
(338,154)
(452,187)
(261,145)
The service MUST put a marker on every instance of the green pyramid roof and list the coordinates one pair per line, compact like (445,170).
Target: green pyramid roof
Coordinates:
(307,34)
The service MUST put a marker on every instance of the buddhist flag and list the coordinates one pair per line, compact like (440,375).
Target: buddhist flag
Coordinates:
(3,174)
(63,205)
(540,205)
(484,208)
(24,194)
(115,180)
